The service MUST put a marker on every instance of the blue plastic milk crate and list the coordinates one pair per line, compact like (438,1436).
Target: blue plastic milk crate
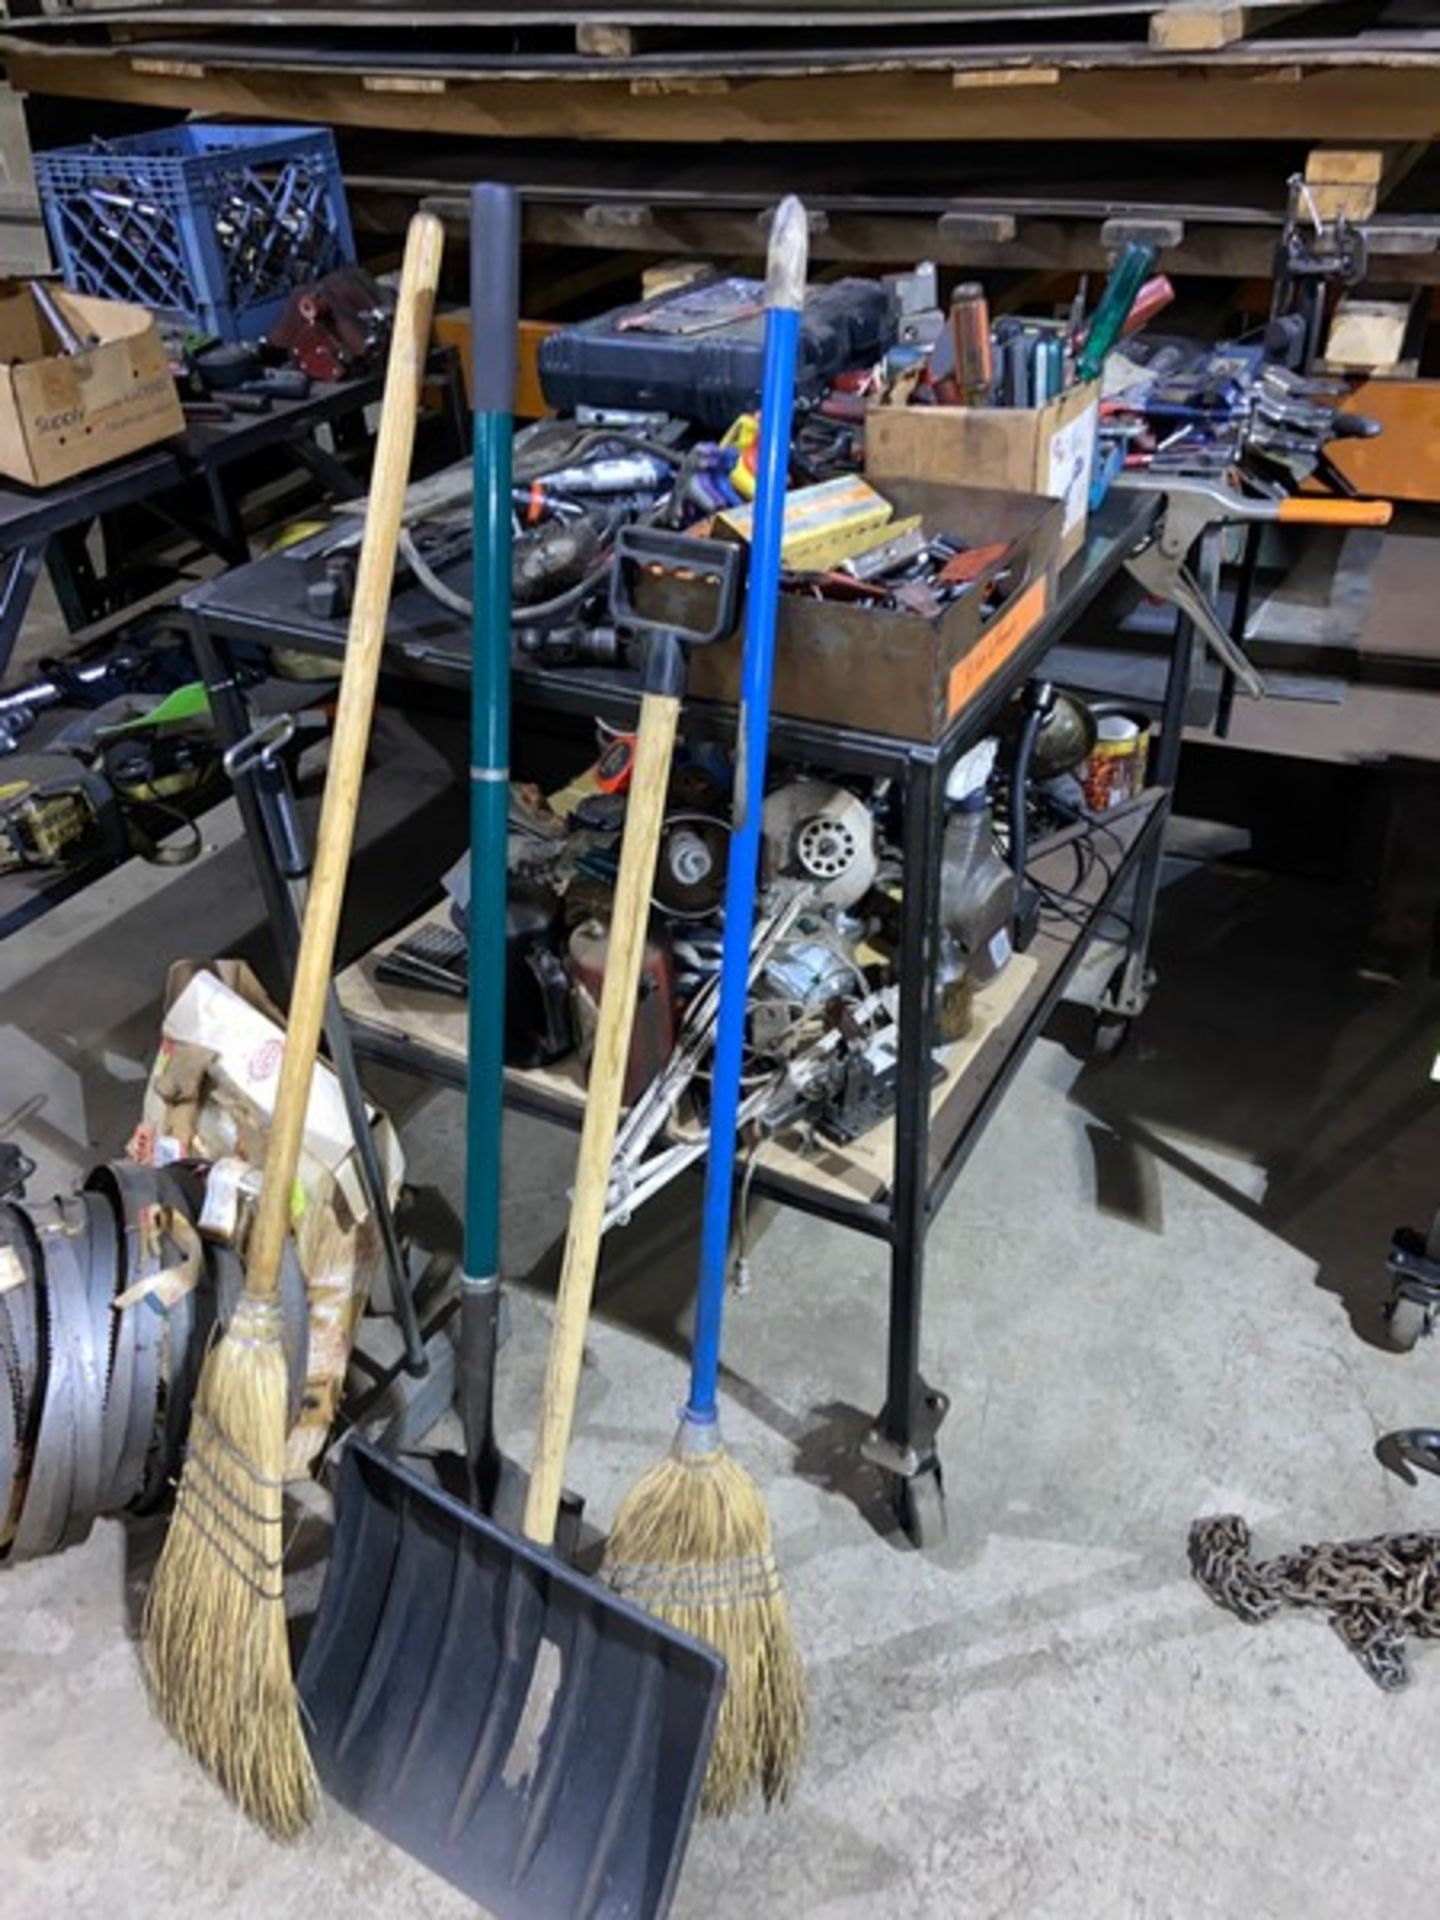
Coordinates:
(213,225)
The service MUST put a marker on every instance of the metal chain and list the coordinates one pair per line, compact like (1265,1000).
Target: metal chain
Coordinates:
(1376,1591)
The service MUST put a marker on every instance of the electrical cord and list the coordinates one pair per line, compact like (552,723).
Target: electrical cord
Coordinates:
(538,613)
(1067,904)
(586,443)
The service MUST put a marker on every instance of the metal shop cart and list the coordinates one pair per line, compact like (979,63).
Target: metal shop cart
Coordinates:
(893,1182)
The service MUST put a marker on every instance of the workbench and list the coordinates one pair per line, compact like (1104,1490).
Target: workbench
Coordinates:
(191,484)
(890,1183)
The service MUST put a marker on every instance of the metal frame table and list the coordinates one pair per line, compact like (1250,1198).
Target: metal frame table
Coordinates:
(189,483)
(263,606)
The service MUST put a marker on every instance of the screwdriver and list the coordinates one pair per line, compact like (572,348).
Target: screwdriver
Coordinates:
(970,335)
(1132,269)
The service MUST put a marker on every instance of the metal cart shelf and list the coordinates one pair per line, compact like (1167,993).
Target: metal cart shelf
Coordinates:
(264,605)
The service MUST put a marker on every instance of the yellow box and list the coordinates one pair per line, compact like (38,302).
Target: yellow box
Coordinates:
(824,524)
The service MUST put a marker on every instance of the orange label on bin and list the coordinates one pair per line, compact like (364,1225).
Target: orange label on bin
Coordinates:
(995,646)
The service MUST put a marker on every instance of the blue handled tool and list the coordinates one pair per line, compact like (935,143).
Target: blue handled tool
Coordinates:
(692,1538)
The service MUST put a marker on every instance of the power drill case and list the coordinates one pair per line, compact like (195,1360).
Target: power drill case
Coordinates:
(631,358)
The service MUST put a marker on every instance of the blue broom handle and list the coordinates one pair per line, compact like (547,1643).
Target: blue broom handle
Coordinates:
(494,305)
(777,396)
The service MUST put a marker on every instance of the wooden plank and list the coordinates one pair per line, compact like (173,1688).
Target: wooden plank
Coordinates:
(402,83)
(1037,76)
(1204,26)
(175,69)
(1198,27)
(1343,183)
(1345,166)
(760,15)
(1154,103)
(608,39)
(866,240)
(1334,202)
(1403,461)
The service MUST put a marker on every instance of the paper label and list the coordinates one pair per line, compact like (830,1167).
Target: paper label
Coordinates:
(220,1213)
(1072,460)
(997,643)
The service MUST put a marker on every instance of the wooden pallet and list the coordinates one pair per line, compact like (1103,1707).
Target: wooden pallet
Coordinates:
(623,32)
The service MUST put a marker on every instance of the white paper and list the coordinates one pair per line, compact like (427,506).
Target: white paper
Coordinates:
(1072,459)
(248,1050)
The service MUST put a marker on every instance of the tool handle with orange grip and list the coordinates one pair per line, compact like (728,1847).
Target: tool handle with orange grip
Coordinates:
(1309,510)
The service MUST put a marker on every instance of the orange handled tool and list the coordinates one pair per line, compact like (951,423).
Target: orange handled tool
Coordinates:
(1192,505)
(1316,510)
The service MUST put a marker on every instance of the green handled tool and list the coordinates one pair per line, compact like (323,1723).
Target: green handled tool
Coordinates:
(1132,270)
(494,323)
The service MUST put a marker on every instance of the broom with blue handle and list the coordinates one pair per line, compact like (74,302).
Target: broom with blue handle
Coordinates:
(692,1541)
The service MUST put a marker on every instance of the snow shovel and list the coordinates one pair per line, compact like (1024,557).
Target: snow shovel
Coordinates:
(518,1727)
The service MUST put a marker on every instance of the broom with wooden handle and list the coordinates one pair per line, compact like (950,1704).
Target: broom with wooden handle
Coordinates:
(216,1648)
(691,1541)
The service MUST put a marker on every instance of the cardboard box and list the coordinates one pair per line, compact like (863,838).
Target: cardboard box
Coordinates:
(210,1095)
(1048,450)
(61,414)
(900,673)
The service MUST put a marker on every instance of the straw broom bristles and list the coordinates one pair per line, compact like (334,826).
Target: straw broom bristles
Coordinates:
(216,1649)
(691,1543)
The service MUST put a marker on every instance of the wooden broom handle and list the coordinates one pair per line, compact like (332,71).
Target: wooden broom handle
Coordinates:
(629,925)
(390,474)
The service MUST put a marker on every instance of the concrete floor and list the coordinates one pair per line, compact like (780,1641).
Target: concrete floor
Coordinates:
(1153,1295)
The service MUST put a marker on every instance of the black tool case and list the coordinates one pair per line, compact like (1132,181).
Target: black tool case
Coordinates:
(709,376)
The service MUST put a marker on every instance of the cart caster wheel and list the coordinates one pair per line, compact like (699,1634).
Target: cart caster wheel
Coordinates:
(920,1507)
(1405,1322)
(1111,1032)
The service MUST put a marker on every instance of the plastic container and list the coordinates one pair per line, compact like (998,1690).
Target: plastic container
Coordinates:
(711,376)
(212,226)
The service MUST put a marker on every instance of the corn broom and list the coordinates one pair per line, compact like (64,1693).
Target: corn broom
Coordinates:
(217,1652)
(692,1541)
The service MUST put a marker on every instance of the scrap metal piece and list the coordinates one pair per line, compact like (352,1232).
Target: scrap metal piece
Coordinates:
(132,1396)
(49,1490)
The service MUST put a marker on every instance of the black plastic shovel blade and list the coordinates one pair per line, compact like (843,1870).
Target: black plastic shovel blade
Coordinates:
(516,1726)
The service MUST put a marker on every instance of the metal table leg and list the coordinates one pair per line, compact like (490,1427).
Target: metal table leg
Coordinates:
(19,570)
(67,561)
(232,543)
(1130,984)
(1239,621)
(332,473)
(903,1441)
